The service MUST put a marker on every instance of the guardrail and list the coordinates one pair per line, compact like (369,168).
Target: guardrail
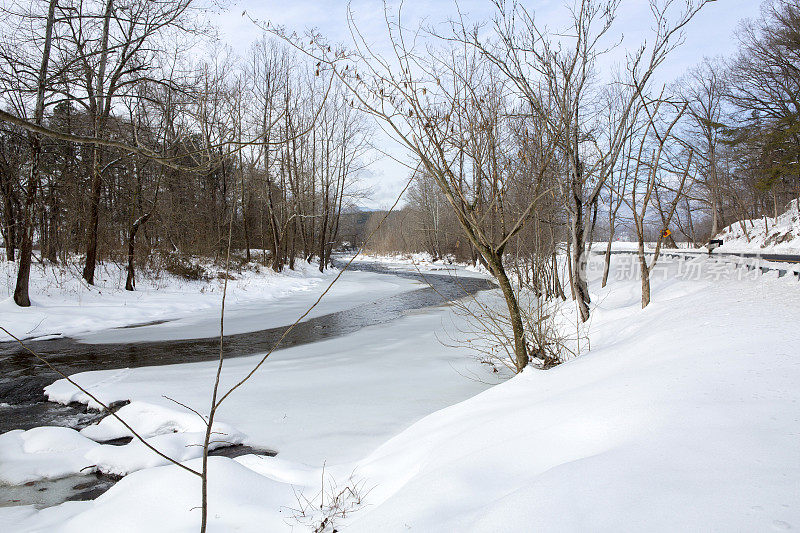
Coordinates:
(763,268)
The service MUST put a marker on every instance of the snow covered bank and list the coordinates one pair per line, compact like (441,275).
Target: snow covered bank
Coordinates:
(237,495)
(329,403)
(55,452)
(764,235)
(683,416)
(258,298)
(423,262)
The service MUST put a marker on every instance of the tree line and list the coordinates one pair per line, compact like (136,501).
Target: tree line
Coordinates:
(127,134)
(740,120)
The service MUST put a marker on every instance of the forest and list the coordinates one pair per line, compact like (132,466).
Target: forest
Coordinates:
(120,142)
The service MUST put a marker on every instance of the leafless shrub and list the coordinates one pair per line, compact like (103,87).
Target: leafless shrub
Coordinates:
(180,266)
(330,504)
(487,331)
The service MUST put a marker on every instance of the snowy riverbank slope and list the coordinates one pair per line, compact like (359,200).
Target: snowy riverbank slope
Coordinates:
(683,416)
(258,298)
(764,235)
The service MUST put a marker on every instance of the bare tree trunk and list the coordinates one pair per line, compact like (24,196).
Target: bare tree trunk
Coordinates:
(590,237)
(338,200)
(246,232)
(244,200)
(515,316)
(323,231)
(557,286)
(130,281)
(100,108)
(10,206)
(292,243)
(21,296)
(275,232)
(715,207)
(714,216)
(607,260)
(645,272)
(50,225)
(580,284)
(775,204)
(94,218)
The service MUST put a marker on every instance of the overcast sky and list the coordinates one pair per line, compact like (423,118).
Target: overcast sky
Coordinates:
(710,34)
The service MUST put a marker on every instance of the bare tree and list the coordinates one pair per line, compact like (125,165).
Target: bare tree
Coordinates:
(704,88)
(39,86)
(532,58)
(647,179)
(113,44)
(444,106)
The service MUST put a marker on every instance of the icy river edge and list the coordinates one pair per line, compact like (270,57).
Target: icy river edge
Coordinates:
(386,298)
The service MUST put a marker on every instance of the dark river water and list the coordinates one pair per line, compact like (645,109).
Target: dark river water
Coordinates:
(22,377)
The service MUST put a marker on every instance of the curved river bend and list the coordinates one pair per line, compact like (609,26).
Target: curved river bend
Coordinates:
(23,404)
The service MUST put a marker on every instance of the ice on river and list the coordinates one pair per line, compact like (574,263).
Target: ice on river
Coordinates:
(62,305)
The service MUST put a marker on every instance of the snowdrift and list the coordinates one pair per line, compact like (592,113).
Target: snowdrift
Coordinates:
(683,417)
(51,452)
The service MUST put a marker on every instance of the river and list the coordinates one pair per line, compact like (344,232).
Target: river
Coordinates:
(23,404)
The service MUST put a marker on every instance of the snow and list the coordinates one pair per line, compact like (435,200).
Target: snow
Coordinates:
(236,496)
(147,420)
(683,416)
(333,401)
(122,460)
(764,235)
(423,262)
(54,452)
(42,453)
(674,421)
(258,298)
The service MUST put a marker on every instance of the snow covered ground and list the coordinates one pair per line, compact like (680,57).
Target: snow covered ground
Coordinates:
(683,416)
(422,262)
(54,452)
(764,235)
(65,306)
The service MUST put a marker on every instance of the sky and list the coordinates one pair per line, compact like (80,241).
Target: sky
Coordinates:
(709,34)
